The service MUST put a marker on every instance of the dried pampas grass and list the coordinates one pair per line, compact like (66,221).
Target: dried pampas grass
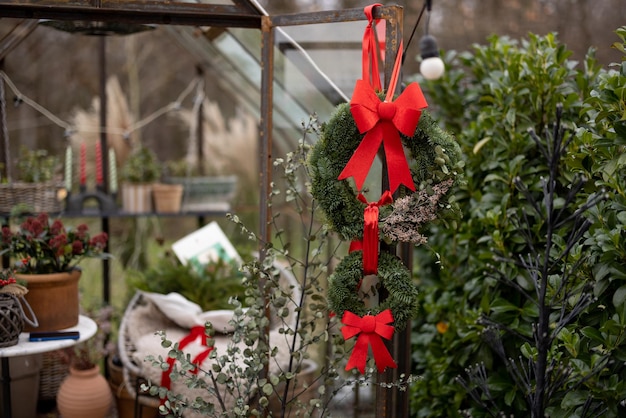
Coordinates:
(229,147)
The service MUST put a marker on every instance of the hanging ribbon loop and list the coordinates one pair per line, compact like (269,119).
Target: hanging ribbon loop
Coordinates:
(369,48)
(370,231)
(370,330)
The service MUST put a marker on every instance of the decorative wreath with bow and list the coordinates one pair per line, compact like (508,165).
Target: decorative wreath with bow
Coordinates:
(435,155)
(394,276)
(350,141)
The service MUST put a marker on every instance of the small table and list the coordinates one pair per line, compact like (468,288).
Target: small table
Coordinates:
(87,328)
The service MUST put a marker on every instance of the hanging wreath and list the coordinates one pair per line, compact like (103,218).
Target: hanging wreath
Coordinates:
(435,158)
(394,277)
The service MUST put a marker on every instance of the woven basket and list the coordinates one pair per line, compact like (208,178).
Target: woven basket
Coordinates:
(53,371)
(36,197)
(11,320)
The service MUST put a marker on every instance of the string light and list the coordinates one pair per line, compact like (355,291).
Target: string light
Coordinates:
(431,67)
(174,106)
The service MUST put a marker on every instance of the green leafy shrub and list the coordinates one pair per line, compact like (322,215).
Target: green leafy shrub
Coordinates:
(142,166)
(36,166)
(491,97)
(211,288)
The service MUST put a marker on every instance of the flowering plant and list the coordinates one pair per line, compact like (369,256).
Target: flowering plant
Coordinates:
(43,247)
(10,285)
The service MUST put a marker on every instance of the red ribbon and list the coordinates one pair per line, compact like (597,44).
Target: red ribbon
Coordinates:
(382,123)
(370,232)
(195,333)
(369,329)
(369,48)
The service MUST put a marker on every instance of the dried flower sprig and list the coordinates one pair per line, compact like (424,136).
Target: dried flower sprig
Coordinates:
(412,212)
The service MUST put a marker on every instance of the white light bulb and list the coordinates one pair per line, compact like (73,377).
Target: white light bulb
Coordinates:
(432,68)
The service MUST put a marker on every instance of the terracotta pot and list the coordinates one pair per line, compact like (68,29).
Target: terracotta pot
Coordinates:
(84,393)
(167,197)
(53,298)
(125,402)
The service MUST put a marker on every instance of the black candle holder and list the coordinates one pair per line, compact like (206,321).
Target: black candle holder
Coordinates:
(75,202)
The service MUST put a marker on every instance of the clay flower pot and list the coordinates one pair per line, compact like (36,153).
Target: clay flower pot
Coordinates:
(54,299)
(84,393)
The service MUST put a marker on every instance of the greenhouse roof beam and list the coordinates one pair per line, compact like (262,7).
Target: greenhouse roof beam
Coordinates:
(142,12)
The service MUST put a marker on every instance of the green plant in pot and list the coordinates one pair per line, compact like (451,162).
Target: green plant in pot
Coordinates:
(138,174)
(203,189)
(38,188)
(46,255)
(210,286)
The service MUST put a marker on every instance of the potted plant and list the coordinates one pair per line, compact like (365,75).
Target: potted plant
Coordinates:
(46,256)
(202,190)
(210,286)
(138,175)
(85,392)
(38,188)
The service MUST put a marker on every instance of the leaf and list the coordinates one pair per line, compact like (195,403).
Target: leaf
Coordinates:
(500,305)
(573,399)
(480,144)
(593,334)
(619,296)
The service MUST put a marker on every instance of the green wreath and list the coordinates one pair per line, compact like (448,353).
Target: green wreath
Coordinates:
(435,157)
(394,277)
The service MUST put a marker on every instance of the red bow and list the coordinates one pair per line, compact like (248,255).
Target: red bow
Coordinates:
(195,333)
(369,329)
(370,232)
(382,122)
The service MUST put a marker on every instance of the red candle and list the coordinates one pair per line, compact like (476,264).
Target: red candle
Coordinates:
(99,174)
(83,162)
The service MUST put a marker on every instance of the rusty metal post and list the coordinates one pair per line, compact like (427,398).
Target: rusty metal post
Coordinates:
(388,400)
(106,285)
(5,158)
(265,154)
(200,127)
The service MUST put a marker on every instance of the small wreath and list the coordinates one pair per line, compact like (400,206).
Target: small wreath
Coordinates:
(394,277)
(435,157)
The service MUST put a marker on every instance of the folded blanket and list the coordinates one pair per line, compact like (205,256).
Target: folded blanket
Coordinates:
(176,316)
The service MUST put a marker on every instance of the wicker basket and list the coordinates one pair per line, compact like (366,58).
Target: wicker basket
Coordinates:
(35,197)
(53,370)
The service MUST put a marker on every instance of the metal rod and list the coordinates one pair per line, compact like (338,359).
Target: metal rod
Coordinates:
(386,398)
(6,388)
(142,12)
(5,151)
(265,154)
(106,282)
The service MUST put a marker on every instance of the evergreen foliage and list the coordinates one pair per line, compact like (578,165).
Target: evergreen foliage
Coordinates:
(479,280)
(395,278)
(433,154)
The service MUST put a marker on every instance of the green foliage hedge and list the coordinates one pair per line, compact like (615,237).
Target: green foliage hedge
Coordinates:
(490,98)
